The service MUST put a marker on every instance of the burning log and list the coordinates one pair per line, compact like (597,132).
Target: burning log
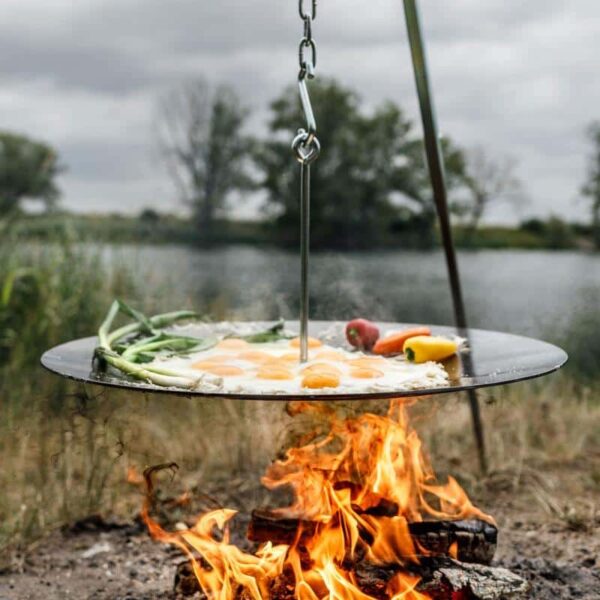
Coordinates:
(474,540)
(378,526)
(441,578)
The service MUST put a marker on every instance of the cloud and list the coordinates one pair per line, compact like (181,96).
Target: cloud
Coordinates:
(518,78)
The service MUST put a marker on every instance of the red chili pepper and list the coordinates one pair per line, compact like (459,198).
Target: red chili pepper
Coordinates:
(362,334)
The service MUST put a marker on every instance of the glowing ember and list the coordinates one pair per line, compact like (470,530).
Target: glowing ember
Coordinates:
(360,486)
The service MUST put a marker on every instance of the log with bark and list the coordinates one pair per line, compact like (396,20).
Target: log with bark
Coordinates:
(475,540)
(441,578)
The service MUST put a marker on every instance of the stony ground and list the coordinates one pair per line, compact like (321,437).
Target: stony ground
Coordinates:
(100,559)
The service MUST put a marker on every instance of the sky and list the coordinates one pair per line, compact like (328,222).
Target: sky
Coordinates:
(519,78)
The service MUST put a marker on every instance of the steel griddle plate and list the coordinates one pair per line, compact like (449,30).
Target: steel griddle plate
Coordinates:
(493,358)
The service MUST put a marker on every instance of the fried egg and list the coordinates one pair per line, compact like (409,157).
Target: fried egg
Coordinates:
(239,367)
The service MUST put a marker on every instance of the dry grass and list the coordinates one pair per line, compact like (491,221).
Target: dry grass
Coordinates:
(64,461)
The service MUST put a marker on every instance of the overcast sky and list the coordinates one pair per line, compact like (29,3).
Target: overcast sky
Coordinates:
(521,78)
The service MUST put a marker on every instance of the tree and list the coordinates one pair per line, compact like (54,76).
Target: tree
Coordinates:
(417,183)
(28,170)
(488,181)
(200,134)
(368,160)
(591,187)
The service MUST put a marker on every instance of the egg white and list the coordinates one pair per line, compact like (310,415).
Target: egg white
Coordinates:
(398,374)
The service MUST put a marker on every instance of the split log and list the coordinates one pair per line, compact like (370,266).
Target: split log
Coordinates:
(267,526)
(453,579)
(441,578)
(475,541)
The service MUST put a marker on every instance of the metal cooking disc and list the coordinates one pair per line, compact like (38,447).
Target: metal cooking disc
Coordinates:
(493,358)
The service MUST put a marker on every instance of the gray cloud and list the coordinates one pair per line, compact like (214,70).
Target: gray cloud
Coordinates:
(519,78)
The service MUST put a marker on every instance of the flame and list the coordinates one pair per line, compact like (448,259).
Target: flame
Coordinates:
(361,485)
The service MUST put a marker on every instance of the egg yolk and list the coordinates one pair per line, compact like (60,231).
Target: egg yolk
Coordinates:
(275,372)
(232,344)
(312,343)
(325,368)
(365,373)
(320,380)
(255,356)
(220,370)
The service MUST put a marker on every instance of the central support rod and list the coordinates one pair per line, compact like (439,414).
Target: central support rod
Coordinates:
(304,254)
(438,183)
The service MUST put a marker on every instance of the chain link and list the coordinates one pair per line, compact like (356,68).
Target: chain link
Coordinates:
(313,14)
(308,61)
(306,145)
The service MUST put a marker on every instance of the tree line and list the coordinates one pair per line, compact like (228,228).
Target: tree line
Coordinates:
(370,183)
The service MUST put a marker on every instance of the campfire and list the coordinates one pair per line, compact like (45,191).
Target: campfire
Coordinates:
(368,520)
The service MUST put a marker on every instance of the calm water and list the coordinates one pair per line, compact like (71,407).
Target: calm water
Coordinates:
(536,293)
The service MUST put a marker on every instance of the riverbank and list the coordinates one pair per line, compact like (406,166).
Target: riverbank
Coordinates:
(154,228)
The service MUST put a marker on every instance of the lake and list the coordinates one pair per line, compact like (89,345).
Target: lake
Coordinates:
(543,293)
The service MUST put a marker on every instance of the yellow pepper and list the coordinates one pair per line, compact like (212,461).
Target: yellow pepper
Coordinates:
(422,348)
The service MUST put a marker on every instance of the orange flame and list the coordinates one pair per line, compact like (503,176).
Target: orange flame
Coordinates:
(361,485)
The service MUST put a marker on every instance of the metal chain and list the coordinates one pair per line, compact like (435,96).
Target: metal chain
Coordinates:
(307,67)
(306,148)
(306,145)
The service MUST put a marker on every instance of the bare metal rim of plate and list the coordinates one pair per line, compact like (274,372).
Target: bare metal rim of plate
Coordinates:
(492,358)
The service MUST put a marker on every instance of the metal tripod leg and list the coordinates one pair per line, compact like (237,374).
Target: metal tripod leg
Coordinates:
(438,184)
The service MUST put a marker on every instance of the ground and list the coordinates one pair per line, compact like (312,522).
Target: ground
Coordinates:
(104,559)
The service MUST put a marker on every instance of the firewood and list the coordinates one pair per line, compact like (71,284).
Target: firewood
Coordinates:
(267,526)
(475,540)
(448,578)
(441,578)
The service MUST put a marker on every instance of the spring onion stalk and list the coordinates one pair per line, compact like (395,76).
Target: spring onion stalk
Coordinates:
(162,377)
(157,322)
(133,348)
(104,337)
(164,341)
(128,357)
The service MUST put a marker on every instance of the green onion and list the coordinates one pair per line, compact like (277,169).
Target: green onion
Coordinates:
(162,377)
(272,334)
(145,342)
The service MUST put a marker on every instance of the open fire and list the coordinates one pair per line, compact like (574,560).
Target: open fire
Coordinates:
(362,493)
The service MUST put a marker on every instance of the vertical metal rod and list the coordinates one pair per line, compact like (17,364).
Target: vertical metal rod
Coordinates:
(438,184)
(304,254)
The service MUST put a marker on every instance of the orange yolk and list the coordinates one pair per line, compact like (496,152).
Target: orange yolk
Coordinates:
(365,373)
(255,356)
(312,343)
(232,344)
(220,370)
(320,380)
(274,371)
(319,368)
